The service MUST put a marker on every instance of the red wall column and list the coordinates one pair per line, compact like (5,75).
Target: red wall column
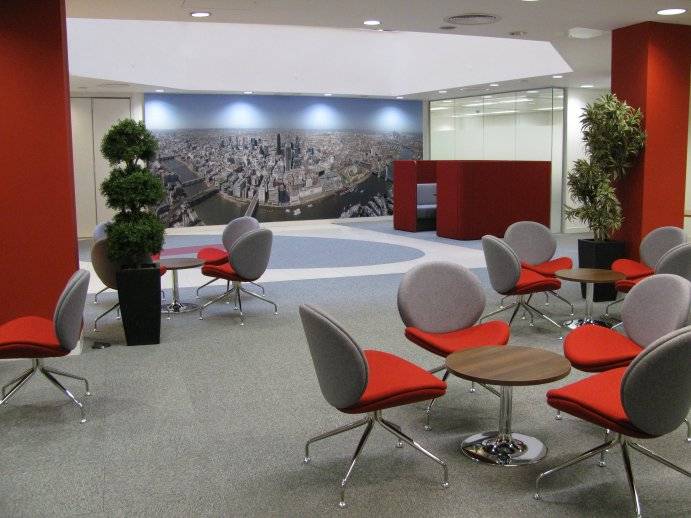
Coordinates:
(651,63)
(37,228)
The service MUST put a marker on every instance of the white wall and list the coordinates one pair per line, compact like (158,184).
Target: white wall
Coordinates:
(576,99)
(92,116)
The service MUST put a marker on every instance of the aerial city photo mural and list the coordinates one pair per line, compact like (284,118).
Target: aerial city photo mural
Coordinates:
(279,158)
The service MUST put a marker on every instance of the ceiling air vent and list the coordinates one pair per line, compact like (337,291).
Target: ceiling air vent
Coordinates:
(472,19)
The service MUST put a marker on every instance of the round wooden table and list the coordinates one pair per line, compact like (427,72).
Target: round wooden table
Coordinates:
(591,277)
(506,367)
(174,264)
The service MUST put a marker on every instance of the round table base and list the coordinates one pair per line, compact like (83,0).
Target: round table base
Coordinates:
(516,450)
(179,307)
(575,323)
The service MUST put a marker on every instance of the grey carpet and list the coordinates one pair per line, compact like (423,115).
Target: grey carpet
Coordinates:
(212,422)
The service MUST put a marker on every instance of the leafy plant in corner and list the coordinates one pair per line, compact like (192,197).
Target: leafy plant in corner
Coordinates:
(135,232)
(614,138)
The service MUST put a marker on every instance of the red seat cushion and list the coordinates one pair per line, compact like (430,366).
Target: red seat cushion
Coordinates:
(597,400)
(548,268)
(632,269)
(625,285)
(393,381)
(594,348)
(495,332)
(212,255)
(162,270)
(533,282)
(220,271)
(29,337)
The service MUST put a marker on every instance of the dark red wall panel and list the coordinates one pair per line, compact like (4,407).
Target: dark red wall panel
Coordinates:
(407,174)
(39,243)
(651,63)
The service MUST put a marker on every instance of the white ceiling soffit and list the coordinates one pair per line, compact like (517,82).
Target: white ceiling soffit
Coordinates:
(224,57)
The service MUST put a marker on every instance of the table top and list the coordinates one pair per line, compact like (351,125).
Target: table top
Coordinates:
(180,263)
(512,365)
(594,275)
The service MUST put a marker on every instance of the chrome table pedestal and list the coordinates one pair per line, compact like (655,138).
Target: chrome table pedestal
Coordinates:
(590,277)
(504,447)
(174,264)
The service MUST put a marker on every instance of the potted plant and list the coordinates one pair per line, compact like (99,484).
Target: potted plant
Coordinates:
(135,232)
(614,138)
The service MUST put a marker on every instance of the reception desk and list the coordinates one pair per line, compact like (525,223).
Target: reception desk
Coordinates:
(474,197)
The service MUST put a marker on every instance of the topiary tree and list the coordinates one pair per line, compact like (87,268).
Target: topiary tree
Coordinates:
(614,137)
(131,189)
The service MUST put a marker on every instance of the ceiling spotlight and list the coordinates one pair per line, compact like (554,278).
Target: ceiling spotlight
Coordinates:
(327,95)
(372,22)
(399,97)
(248,92)
(670,12)
(494,84)
(159,91)
(487,96)
(532,92)
(557,77)
(200,14)
(447,101)
(587,86)
(441,91)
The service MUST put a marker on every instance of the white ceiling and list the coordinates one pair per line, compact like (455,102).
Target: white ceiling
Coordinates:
(544,20)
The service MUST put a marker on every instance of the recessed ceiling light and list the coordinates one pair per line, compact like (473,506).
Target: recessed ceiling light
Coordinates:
(159,91)
(248,92)
(532,92)
(587,86)
(583,33)
(557,77)
(327,95)
(531,0)
(447,101)
(399,97)
(472,19)
(372,22)
(494,84)
(487,96)
(441,91)
(200,14)
(670,12)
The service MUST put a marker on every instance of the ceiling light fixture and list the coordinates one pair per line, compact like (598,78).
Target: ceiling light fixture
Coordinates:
(532,92)
(327,95)
(583,33)
(557,77)
(159,91)
(494,84)
(200,14)
(399,97)
(441,91)
(472,19)
(248,92)
(372,22)
(587,86)
(671,12)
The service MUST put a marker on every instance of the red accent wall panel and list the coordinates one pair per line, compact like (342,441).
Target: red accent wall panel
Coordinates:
(407,174)
(38,229)
(651,63)
(478,197)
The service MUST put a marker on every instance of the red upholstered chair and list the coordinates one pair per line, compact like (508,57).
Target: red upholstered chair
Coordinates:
(37,338)
(364,382)
(535,246)
(649,398)
(248,258)
(440,304)
(213,256)
(508,278)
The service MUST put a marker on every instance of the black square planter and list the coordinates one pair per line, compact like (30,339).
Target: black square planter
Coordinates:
(139,293)
(600,254)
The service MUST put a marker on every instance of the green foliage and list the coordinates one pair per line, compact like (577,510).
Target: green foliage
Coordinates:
(614,137)
(131,189)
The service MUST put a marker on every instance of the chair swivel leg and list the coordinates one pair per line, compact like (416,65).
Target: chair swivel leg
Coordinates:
(331,433)
(602,462)
(69,375)
(98,293)
(213,301)
(205,285)
(619,301)
(428,411)
(18,379)
(20,383)
(65,391)
(260,297)
(651,454)
(358,450)
(116,306)
(555,294)
(500,310)
(629,478)
(688,430)
(258,286)
(541,314)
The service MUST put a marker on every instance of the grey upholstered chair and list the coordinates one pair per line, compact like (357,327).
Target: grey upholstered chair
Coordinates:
(509,279)
(248,258)
(440,303)
(100,232)
(364,382)
(654,392)
(653,246)
(535,246)
(426,201)
(231,233)
(106,270)
(36,338)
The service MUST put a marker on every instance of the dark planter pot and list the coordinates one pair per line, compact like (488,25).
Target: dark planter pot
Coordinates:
(139,292)
(600,254)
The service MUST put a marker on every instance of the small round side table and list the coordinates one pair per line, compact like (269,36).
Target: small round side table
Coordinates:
(174,264)
(591,277)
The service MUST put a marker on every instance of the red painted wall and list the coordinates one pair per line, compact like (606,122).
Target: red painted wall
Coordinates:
(651,63)
(38,226)
(407,174)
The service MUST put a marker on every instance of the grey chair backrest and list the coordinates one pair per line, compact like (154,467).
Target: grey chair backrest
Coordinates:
(338,361)
(656,388)
(657,305)
(503,265)
(104,267)
(440,296)
(250,254)
(427,194)
(659,241)
(532,241)
(100,231)
(676,261)
(236,228)
(69,310)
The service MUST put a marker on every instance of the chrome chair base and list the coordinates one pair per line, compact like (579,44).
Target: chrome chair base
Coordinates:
(368,422)
(498,449)
(99,317)
(618,301)
(50,373)
(98,293)
(228,285)
(236,288)
(625,443)
(521,303)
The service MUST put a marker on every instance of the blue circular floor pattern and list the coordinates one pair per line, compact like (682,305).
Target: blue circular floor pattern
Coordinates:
(319,252)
